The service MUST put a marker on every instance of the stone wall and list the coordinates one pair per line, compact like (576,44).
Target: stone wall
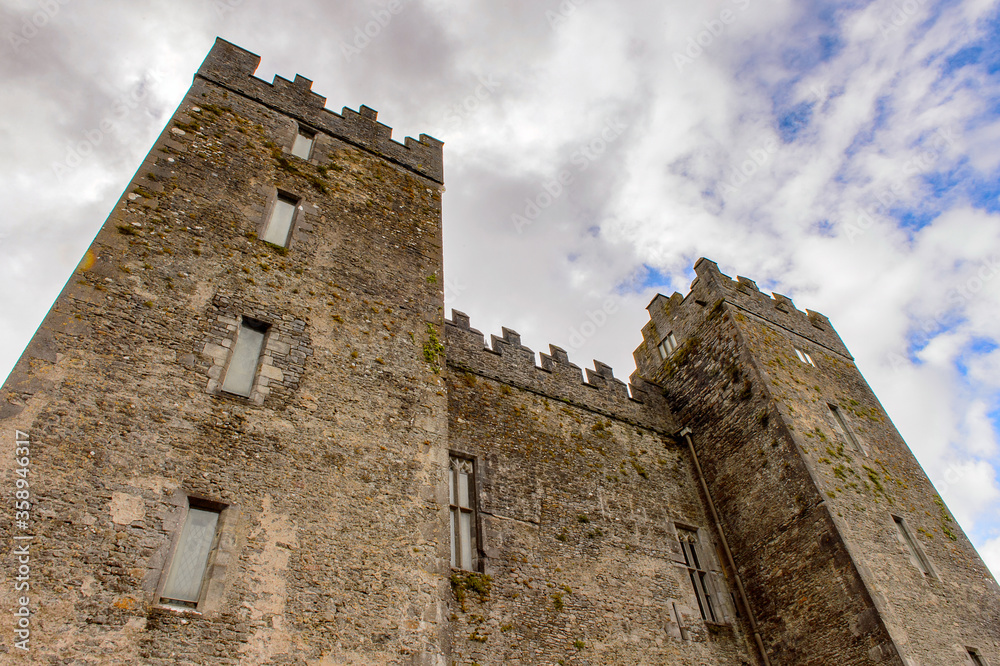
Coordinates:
(581,488)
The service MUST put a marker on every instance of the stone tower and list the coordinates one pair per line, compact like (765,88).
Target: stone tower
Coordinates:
(245,433)
(846,552)
(264,227)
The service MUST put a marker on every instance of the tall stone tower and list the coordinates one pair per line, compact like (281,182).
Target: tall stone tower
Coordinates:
(248,350)
(845,550)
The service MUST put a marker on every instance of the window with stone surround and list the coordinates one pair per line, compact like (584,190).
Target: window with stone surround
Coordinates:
(844,431)
(245,357)
(303,144)
(462,502)
(281,362)
(695,561)
(280,220)
(705,575)
(975,657)
(667,346)
(917,555)
(185,580)
(804,357)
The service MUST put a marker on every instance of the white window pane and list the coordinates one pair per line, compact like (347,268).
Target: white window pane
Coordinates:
(239,376)
(451,487)
(187,569)
(463,491)
(454,540)
(302,146)
(280,223)
(662,349)
(465,539)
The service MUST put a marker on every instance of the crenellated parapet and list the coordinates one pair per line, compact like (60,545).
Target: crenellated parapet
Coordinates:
(507,360)
(680,315)
(233,68)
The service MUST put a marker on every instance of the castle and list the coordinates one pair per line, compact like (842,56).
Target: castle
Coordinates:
(249,434)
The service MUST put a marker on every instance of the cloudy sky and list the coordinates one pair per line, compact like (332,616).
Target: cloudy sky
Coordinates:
(843,153)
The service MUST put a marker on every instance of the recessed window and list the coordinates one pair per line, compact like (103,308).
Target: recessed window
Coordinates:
(279,224)
(186,576)
(976,658)
(303,145)
(804,357)
(462,500)
(916,552)
(667,346)
(845,431)
(245,357)
(701,578)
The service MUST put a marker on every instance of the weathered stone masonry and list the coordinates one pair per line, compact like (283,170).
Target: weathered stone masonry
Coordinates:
(594,540)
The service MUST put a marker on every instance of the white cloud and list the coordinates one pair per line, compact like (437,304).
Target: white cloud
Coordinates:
(990,552)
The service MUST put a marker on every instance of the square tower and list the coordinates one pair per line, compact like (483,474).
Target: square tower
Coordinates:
(847,553)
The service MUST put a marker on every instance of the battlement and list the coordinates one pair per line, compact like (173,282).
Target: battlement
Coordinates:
(777,308)
(712,287)
(233,68)
(507,360)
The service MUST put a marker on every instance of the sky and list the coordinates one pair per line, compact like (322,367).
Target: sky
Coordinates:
(845,154)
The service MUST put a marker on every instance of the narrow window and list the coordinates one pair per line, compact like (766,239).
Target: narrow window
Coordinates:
(845,431)
(667,346)
(804,357)
(245,356)
(461,491)
(303,145)
(976,658)
(698,572)
(280,223)
(190,561)
(911,545)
